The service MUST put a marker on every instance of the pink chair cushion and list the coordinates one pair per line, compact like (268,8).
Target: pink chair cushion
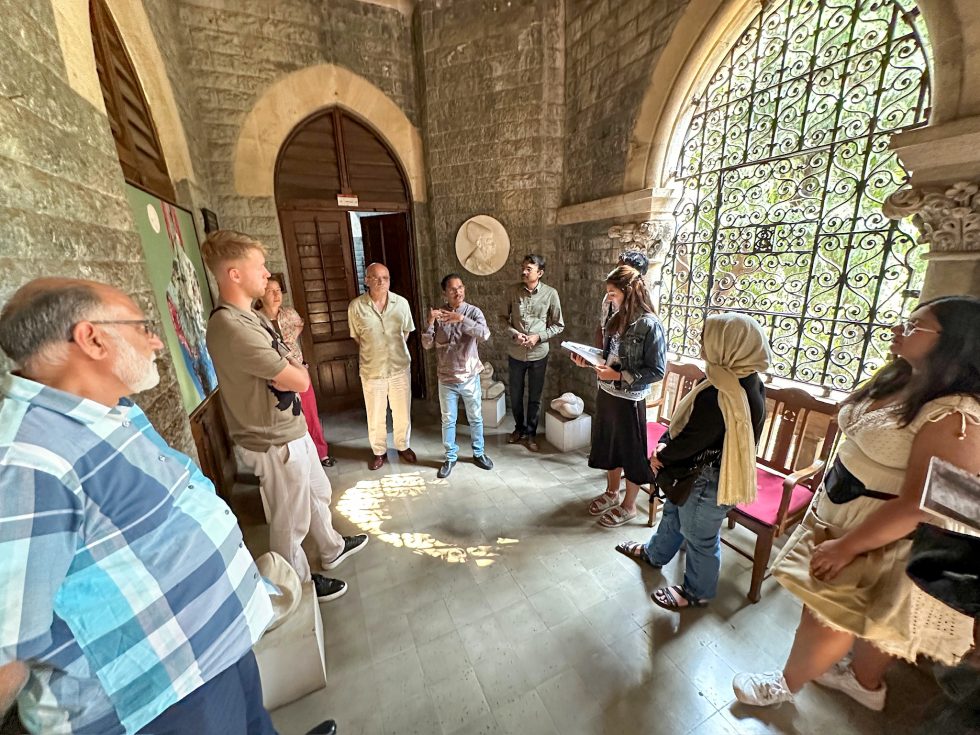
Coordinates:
(655,430)
(766,505)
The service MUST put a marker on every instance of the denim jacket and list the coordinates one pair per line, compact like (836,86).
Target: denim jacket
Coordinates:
(642,353)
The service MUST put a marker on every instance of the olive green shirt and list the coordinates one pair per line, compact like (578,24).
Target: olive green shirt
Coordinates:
(381,335)
(533,312)
(246,359)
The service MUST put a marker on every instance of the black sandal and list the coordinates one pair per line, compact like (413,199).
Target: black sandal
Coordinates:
(636,551)
(668,600)
(328,461)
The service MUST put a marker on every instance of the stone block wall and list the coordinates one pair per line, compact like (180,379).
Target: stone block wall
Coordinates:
(170,38)
(235,49)
(611,48)
(492,91)
(63,209)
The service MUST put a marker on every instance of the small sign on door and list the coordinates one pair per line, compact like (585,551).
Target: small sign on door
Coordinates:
(346,200)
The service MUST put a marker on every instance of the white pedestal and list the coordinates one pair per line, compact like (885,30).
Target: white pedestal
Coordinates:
(290,658)
(567,434)
(494,410)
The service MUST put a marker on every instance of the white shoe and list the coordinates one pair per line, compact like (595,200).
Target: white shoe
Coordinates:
(761,690)
(841,677)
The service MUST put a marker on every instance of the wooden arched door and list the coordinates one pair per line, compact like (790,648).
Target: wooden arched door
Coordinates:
(331,156)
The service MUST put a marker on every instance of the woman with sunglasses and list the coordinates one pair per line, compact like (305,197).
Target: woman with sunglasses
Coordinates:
(846,561)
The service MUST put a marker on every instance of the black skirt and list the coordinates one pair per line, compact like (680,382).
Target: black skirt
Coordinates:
(619,437)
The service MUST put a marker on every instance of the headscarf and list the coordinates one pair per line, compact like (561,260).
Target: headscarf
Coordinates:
(733,346)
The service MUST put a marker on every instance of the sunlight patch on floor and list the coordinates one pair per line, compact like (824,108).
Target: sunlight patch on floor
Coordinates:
(367,505)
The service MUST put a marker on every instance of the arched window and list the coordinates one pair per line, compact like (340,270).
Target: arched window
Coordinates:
(784,168)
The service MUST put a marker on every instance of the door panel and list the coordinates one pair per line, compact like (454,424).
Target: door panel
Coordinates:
(320,261)
(387,240)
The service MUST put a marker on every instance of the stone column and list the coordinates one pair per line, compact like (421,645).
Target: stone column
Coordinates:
(652,237)
(948,219)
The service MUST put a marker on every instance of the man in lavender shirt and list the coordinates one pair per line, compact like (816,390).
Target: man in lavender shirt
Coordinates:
(455,331)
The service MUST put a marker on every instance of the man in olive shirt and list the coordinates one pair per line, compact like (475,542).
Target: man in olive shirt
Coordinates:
(380,322)
(533,317)
(259,386)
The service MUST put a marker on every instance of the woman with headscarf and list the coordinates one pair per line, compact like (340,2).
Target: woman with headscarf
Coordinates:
(713,433)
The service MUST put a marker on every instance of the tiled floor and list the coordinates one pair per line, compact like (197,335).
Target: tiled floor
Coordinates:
(492,603)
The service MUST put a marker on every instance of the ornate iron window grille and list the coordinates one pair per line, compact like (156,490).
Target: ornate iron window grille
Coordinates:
(785,167)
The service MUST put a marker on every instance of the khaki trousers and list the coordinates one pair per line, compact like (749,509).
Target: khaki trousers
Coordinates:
(378,394)
(296,494)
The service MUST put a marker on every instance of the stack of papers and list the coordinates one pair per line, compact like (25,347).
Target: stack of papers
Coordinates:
(592,355)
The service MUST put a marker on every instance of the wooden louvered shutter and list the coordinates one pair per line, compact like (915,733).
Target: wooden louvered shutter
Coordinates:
(137,143)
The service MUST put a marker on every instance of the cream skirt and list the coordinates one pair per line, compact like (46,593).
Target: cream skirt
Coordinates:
(871,598)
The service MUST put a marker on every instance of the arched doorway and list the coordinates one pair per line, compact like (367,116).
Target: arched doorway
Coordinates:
(328,156)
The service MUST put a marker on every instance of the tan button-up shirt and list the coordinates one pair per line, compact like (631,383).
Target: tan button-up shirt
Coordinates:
(381,335)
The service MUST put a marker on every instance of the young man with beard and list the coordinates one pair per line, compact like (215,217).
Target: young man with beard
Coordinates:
(259,386)
(533,318)
(128,601)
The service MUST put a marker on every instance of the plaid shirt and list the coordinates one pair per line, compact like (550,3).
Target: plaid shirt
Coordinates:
(124,581)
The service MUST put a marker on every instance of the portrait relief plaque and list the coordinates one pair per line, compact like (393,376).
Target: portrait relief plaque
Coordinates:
(482,245)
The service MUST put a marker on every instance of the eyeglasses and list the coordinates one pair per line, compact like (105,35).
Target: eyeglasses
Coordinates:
(909,327)
(147,327)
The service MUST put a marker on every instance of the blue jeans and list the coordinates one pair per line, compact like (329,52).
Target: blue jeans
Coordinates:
(449,397)
(228,704)
(698,522)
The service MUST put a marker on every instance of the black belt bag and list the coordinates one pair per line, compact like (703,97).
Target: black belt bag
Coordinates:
(842,486)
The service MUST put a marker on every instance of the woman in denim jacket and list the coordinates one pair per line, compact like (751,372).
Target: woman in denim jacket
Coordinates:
(636,358)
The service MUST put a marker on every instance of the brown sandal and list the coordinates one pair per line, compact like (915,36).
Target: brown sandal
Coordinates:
(669,598)
(637,551)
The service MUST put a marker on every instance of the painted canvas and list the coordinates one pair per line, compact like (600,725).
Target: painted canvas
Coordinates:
(180,287)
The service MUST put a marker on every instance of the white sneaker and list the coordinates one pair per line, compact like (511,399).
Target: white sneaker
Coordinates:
(841,677)
(761,690)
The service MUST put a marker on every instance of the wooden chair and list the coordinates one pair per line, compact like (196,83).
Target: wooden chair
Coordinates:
(678,381)
(799,434)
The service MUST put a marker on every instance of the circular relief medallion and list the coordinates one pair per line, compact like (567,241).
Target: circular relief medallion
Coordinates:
(482,245)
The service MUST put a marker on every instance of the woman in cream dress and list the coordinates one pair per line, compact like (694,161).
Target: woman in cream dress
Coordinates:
(847,561)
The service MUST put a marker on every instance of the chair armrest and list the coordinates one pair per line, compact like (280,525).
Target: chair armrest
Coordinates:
(793,479)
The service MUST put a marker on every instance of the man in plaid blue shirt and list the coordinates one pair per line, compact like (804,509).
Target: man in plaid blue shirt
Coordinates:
(128,601)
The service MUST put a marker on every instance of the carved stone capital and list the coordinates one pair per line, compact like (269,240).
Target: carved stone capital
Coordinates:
(948,218)
(651,236)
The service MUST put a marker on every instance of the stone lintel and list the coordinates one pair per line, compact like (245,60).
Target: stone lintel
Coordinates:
(644,204)
(937,154)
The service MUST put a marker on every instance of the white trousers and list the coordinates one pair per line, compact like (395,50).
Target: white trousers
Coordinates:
(378,394)
(296,491)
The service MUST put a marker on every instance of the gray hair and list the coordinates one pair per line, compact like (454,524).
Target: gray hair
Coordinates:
(37,322)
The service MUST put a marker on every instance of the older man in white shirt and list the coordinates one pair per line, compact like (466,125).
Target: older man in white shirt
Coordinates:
(380,322)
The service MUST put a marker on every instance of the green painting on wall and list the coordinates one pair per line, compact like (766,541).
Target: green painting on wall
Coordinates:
(180,289)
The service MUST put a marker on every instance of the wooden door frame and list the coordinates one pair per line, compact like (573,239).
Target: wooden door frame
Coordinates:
(292,265)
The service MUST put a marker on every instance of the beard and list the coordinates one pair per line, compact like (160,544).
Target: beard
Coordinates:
(136,372)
